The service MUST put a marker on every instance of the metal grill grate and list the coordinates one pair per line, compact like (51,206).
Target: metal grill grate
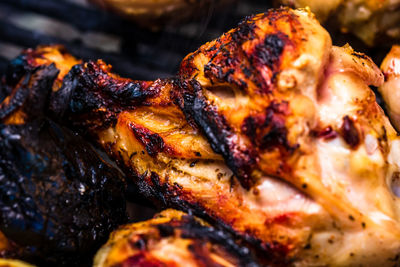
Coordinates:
(90,33)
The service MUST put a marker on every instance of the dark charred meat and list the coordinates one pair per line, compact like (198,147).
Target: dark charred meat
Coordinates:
(268,131)
(172,238)
(59,198)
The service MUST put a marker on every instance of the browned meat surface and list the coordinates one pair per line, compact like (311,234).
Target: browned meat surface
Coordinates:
(310,156)
(172,238)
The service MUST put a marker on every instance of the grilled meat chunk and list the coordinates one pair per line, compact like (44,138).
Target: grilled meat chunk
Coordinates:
(59,198)
(172,238)
(276,99)
(312,157)
(373,21)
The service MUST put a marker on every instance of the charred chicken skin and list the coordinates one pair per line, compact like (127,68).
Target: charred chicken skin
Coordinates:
(373,21)
(59,198)
(172,238)
(268,131)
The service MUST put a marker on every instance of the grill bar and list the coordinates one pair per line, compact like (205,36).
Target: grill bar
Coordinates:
(141,54)
(87,19)
(81,17)
(121,65)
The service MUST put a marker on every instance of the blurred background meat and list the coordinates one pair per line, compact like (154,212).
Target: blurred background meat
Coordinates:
(375,22)
(155,14)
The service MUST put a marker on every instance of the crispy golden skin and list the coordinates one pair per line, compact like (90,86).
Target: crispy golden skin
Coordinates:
(311,155)
(248,82)
(171,238)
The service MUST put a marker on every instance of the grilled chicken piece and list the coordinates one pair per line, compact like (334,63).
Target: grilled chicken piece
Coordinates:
(59,198)
(373,21)
(390,90)
(172,238)
(276,99)
(313,156)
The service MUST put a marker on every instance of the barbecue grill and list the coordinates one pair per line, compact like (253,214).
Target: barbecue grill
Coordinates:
(90,33)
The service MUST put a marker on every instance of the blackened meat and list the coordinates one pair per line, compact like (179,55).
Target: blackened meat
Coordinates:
(59,199)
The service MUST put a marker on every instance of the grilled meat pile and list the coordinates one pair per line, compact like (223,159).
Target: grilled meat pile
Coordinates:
(268,131)
(373,21)
(172,238)
(59,198)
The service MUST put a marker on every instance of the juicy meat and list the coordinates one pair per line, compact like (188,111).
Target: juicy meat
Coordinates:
(390,89)
(172,238)
(310,156)
(59,198)
(243,90)
(373,21)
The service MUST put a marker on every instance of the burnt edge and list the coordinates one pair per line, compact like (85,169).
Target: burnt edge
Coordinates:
(32,98)
(90,92)
(216,129)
